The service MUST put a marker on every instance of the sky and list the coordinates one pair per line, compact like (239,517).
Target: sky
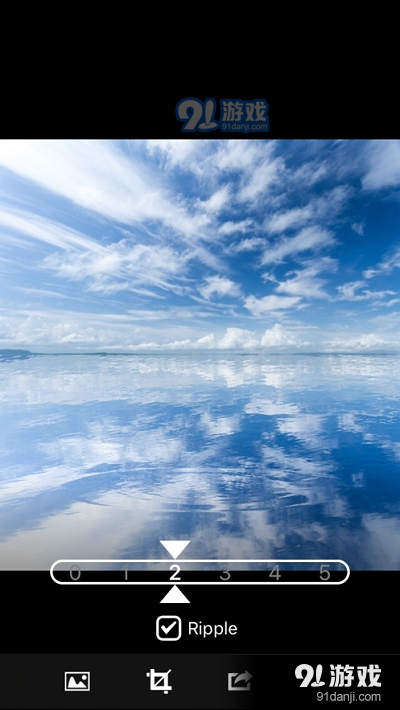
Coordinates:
(238,245)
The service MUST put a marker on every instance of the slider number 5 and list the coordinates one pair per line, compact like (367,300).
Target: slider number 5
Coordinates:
(324,573)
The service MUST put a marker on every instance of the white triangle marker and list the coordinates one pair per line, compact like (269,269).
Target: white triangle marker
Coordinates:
(175,596)
(175,547)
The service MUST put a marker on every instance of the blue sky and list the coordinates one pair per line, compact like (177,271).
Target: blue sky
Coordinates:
(273,246)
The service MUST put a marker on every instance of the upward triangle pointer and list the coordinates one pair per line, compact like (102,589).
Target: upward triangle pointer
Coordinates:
(175,596)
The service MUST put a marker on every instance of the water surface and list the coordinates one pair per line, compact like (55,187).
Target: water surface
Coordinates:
(247,456)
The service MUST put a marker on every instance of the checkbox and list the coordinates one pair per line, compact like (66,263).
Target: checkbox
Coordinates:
(168,628)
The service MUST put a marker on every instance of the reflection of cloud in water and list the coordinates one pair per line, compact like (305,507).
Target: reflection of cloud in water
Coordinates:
(384,531)
(381,440)
(77,379)
(286,464)
(117,526)
(78,456)
(99,447)
(357,479)
(374,544)
(216,426)
(35,483)
(270,408)
(299,478)
(395,448)
(278,380)
(308,428)
(347,422)
(244,456)
(125,522)
(377,371)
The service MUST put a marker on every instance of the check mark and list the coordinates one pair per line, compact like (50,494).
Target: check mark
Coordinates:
(167,629)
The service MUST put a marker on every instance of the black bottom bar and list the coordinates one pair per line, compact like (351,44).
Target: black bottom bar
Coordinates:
(196,681)
(357,616)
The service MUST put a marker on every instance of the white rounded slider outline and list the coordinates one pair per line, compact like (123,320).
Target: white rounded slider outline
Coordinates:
(223,583)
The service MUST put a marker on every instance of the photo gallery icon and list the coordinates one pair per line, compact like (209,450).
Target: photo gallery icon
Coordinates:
(77,680)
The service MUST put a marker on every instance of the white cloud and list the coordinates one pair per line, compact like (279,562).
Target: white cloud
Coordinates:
(386,266)
(218,201)
(240,155)
(93,174)
(254,162)
(348,292)
(122,266)
(250,244)
(277,336)
(329,205)
(321,208)
(383,161)
(306,283)
(186,154)
(178,345)
(262,306)
(47,230)
(216,285)
(207,341)
(238,338)
(391,303)
(98,176)
(370,273)
(233,227)
(262,177)
(310,238)
(310,173)
(358,227)
(290,219)
(360,343)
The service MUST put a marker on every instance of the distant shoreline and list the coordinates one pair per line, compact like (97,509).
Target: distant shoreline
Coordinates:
(15,354)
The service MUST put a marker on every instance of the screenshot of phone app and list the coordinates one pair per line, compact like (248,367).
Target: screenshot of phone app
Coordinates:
(199,435)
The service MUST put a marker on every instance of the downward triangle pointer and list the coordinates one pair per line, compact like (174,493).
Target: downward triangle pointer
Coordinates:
(175,596)
(175,547)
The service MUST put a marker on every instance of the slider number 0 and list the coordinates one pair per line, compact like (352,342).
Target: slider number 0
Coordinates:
(77,574)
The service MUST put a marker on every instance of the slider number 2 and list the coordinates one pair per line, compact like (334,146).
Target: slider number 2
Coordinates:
(177,570)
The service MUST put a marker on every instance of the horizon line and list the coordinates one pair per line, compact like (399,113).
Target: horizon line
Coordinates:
(167,351)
